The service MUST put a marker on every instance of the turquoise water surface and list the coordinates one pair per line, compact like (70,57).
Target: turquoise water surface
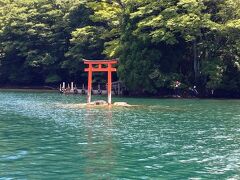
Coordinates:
(43,137)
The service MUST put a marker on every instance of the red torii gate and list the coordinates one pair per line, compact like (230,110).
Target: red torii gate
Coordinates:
(99,68)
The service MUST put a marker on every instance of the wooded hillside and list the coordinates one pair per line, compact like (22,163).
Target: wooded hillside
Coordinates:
(157,42)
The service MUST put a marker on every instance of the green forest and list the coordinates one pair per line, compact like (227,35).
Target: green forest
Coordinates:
(157,42)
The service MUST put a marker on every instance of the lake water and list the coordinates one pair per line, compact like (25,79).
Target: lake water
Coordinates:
(41,137)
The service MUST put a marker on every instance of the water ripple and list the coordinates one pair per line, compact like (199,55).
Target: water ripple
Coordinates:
(161,139)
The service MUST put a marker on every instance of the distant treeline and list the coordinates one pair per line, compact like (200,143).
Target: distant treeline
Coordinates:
(157,42)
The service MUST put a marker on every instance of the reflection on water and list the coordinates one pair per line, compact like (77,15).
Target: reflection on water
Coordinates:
(99,153)
(161,139)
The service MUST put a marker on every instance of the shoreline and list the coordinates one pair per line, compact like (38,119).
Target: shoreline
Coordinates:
(36,89)
(51,89)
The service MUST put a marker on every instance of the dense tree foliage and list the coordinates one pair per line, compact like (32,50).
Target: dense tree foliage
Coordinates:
(196,42)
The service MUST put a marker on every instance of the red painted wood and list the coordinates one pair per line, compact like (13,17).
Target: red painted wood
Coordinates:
(100,68)
(109,84)
(100,61)
(89,84)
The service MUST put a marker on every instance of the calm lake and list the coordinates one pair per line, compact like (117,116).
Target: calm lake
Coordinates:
(42,137)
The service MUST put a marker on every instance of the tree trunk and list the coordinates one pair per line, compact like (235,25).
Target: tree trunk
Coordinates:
(195,61)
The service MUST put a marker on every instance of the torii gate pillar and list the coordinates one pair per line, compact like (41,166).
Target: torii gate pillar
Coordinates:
(97,66)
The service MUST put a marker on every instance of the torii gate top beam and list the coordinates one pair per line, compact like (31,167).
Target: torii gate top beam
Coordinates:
(113,61)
